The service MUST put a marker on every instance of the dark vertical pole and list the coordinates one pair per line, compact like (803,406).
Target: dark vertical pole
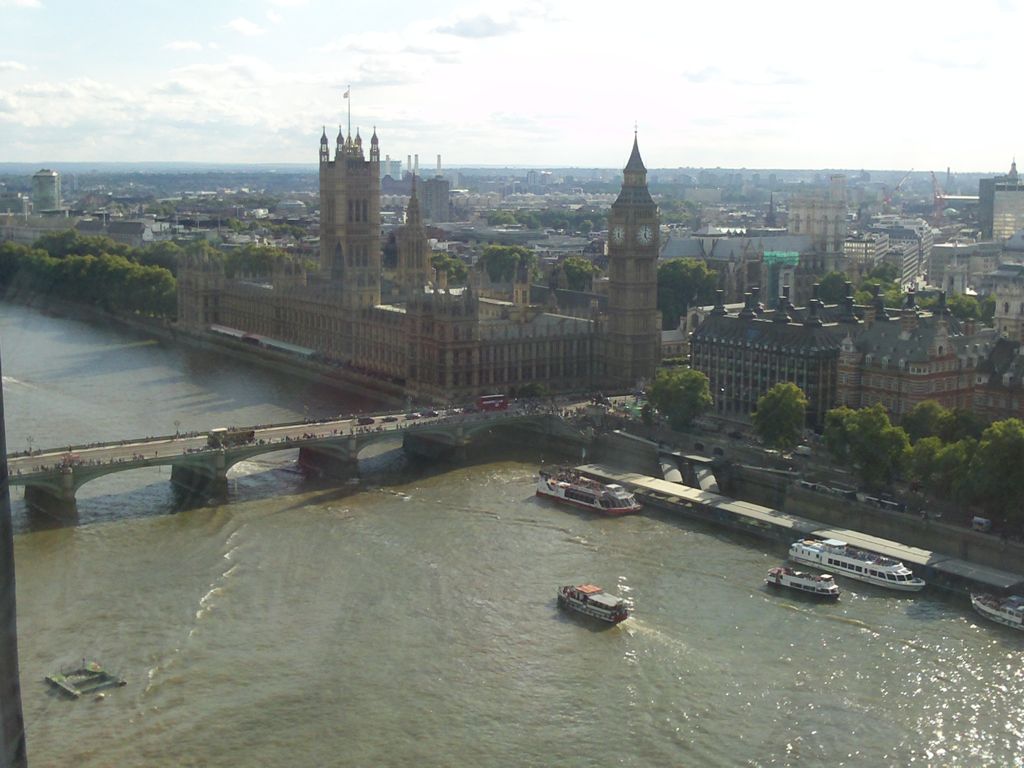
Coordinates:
(14,753)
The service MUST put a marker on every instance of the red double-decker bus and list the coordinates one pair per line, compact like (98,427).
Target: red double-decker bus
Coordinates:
(492,403)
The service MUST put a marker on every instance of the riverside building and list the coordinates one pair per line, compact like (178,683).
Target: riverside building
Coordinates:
(440,342)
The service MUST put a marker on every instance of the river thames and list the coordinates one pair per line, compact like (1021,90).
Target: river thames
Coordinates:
(410,618)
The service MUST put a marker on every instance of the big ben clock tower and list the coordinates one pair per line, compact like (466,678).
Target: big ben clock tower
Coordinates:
(633,347)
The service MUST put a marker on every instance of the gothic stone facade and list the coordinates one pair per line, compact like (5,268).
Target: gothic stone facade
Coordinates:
(442,343)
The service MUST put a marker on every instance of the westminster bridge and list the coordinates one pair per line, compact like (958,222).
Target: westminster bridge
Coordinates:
(330,448)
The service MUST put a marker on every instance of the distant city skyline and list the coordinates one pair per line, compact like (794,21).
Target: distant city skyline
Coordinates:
(732,84)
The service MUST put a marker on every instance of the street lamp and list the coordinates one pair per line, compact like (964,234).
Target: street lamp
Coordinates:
(177,428)
(29,441)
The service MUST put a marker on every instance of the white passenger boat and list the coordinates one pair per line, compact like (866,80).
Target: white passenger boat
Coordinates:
(593,601)
(839,557)
(570,487)
(1008,611)
(818,584)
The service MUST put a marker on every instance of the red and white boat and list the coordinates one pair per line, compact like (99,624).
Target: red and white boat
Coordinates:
(570,487)
(819,585)
(593,601)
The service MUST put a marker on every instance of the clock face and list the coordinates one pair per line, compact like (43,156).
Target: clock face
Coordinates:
(645,234)
(618,234)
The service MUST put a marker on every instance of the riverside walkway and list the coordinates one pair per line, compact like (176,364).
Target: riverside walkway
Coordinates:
(936,568)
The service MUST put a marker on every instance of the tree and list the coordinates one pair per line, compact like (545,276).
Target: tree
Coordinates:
(579,272)
(994,468)
(681,396)
(682,282)
(868,440)
(924,420)
(455,267)
(832,288)
(964,307)
(502,261)
(780,416)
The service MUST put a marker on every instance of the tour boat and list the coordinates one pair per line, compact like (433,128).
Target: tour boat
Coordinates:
(570,487)
(1008,611)
(837,556)
(819,585)
(593,601)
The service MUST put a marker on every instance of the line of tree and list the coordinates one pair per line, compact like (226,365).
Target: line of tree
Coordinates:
(582,221)
(110,281)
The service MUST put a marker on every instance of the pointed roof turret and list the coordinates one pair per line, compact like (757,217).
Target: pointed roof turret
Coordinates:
(323,137)
(359,139)
(1013,169)
(635,162)
(374,139)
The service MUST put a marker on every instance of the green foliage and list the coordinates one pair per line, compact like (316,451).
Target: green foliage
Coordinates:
(582,220)
(110,281)
(681,396)
(884,273)
(502,261)
(254,260)
(780,416)
(579,273)
(964,307)
(70,243)
(988,310)
(456,268)
(924,420)
(533,389)
(682,283)
(832,288)
(868,440)
(994,467)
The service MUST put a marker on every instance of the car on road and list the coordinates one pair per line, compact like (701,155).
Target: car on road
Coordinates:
(411,416)
(364,420)
(431,413)
(390,419)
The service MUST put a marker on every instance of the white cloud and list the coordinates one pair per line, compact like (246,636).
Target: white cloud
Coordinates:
(20,4)
(274,17)
(288,3)
(244,27)
(478,26)
(12,66)
(183,45)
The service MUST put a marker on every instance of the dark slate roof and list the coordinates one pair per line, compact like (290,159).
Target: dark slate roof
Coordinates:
(791,338)
(891,341)
(90,225)
(731,248)
(1005,358)
(635,163)
(577,301)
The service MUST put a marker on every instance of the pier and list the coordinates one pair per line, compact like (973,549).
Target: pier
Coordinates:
(939,570)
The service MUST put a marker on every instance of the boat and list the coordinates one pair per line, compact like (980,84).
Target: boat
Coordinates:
(839,557)
(593,601)
(1008,611)
(88,678)
(817,584)
(570,487)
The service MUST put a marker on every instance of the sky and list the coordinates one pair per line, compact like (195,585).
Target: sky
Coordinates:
(899,84)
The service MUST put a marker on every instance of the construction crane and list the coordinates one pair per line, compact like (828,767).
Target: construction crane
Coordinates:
(889,195)
(939,201)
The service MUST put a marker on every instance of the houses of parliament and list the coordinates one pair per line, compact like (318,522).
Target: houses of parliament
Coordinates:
(408,325)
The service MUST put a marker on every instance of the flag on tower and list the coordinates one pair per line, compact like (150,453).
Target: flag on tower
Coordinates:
(345,94)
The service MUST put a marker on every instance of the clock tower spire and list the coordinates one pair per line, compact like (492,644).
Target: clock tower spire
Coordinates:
(633,347)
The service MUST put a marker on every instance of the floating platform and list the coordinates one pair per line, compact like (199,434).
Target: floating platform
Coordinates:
(88,678)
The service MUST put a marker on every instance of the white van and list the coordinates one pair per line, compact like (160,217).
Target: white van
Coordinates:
(982,524)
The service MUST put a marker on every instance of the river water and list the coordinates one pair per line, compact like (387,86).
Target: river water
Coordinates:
(410,619)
